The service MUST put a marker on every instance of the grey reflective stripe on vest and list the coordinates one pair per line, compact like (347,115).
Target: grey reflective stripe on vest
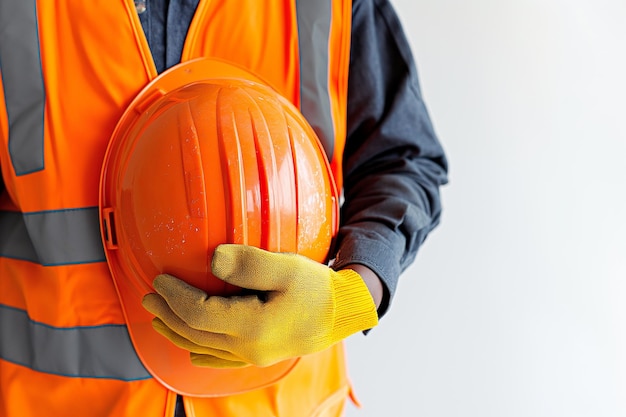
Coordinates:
(313,36)
(22,79)
(82,352)
(49,238)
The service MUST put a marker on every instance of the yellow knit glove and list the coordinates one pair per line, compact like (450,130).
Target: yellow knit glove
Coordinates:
(303,307)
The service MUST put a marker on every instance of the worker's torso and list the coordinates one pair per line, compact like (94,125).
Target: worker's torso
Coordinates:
(68,72)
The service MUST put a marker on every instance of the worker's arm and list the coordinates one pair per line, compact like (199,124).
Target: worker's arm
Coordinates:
(393,161)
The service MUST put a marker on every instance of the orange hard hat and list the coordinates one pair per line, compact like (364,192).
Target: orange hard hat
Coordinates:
(208,154)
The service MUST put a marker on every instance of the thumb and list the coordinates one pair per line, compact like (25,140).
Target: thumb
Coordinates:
(251,267)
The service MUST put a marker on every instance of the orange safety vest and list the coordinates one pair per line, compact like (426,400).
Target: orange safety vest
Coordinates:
(68,71)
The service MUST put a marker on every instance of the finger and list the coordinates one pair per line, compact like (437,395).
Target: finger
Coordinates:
(253,268)
(156,305)
(235,316)
(219,338)
(192,347)
(172,288)
(186,301)
(218,318)
(215,362)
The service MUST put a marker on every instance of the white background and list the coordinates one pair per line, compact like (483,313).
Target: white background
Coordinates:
(516,305)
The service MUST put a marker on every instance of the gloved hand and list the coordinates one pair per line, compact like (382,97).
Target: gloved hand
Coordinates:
(305,307)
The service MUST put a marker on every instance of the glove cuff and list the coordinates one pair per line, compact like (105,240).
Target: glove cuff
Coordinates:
(355,310)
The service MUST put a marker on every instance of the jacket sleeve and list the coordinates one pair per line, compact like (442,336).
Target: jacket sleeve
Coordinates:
(393,161)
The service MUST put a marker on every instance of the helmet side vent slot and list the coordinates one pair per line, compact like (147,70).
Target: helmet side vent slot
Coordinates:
(110,233)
